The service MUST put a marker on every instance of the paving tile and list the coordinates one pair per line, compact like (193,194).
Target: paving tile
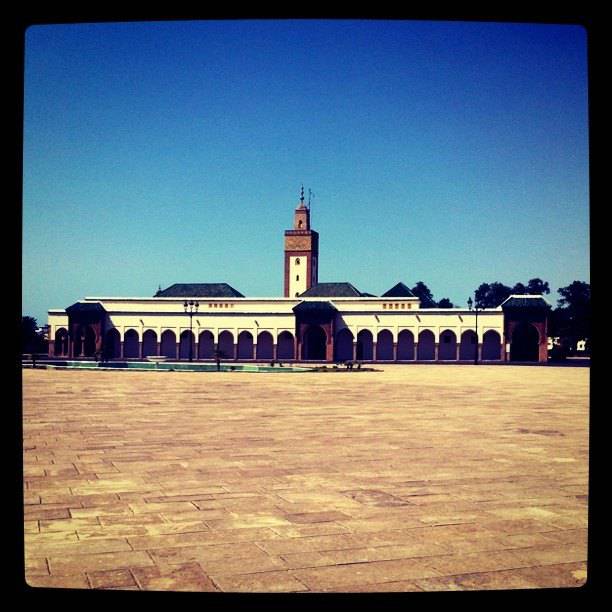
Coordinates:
(98,562)
(68,581)
(112,579)
(184,577)
(262,582)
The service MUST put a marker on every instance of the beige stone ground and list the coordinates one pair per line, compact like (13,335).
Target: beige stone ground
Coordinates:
(421,477)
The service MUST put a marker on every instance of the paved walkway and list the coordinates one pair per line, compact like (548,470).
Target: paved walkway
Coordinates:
(421,477)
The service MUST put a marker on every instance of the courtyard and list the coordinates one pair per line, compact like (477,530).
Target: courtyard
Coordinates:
(412,478)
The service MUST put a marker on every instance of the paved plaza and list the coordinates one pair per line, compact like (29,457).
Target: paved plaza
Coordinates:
(412,478)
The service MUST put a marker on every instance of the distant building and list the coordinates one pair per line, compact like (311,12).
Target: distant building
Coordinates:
(313,321)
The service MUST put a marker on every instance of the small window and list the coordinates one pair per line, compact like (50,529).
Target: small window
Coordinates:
(297,277)
(300,223)
(297,261)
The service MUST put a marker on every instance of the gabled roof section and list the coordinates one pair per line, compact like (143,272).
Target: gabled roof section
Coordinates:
(315,307)
(332,290)
(399,290)
(525,301)
(85,307)
(212,290)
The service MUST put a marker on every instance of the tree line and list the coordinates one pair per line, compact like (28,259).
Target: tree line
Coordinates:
(569,320)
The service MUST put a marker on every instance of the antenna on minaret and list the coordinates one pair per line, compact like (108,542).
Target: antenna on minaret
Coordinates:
(302,195)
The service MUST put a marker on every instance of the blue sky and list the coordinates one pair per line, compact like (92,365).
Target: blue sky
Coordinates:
(161,152)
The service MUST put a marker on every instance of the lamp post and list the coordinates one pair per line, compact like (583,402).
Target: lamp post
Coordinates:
(475,304)
(191,307)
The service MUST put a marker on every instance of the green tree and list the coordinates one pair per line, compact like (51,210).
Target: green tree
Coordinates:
(536,286)
(492,295)
(445,303)
(421,290)
(29,337)
(572,317)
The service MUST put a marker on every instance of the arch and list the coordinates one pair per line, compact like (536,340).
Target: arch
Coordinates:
(149,343)
(426,349)
(405,345)
(384,345)
(524,345)
(60,347)
(365,345)
(265,346)
(245,345)
(168,344)
(187,344)
(112,344)
(131,349)
(85,341)
(285,346)
(206,345)
(467,346)
(314,343)
(226,345)
(491,346)
(343,345)
(447,350)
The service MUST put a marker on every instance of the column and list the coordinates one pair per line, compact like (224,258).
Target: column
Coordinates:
(415,350)
(436,351)
(374,350)
(274,351)
(121,349)
(458,350)
(354,350)
(158,351)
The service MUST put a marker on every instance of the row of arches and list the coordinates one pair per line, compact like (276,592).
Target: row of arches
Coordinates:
(363,347)
(166,345)
(407,349)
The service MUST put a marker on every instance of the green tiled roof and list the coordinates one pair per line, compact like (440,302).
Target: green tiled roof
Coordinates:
(89,307)
(213,290)
(332,290)
(399,290)
(315,308)
(523,301)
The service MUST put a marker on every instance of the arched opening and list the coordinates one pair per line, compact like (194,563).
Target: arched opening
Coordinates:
(226,345)
(405,345)
(426,349)
(447,350)
(467,347)
(187,345)
(491,346)
(285,346)
(60,348)
(365,345)
(149,343)
(131,350)
(245,345)
(314,343)
(265,346)
(168,344)
(384,345)
(206,345)
(343,345)
(85,341)
(112,344)
(524,344)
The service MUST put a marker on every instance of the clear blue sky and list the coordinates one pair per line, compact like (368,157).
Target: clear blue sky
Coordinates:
(154,153)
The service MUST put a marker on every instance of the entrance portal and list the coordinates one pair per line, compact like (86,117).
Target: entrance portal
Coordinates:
(525,341)
(314,343)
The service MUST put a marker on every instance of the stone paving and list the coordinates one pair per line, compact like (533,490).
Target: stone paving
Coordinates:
(415,478)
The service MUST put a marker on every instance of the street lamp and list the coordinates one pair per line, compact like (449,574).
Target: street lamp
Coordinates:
(191,307)
(475,304)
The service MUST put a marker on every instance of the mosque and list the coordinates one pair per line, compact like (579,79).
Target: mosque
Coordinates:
(313,321)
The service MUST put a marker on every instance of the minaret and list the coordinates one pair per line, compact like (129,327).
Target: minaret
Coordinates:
(301,252)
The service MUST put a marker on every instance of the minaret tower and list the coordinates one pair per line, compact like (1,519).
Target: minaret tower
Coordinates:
(301,252)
